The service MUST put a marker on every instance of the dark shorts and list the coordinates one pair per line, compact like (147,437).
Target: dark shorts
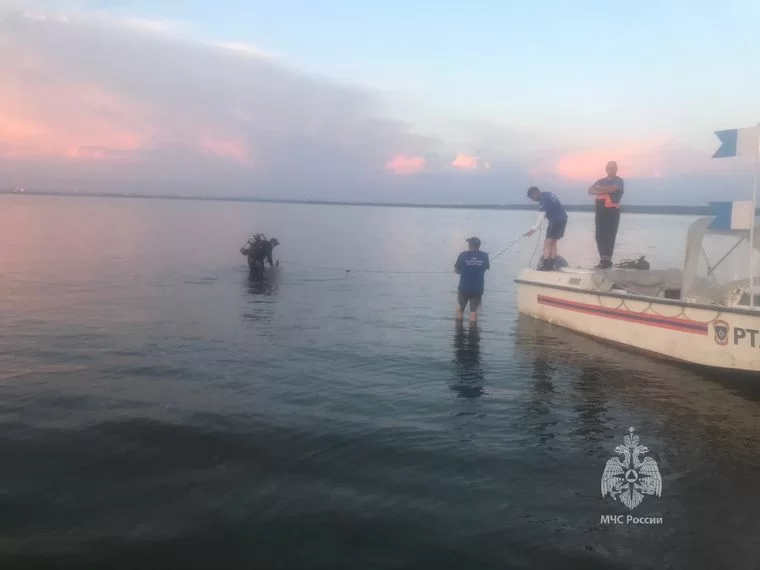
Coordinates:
(556,230)
(472,298)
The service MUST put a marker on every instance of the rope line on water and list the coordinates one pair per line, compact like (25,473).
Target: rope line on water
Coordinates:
(329,279)
(391,272)
(383,271)
(507,248)
(532,255)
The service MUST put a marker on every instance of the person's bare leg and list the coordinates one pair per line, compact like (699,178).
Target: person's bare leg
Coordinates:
(547,249)
(461,304)
(554,249)
(547,255)
(474,306)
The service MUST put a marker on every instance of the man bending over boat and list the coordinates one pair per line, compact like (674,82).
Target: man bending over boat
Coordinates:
(552,209)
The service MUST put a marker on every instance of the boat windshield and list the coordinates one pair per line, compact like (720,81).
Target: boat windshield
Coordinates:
(722,269)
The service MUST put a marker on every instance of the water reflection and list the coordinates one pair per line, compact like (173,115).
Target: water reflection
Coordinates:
(606,377)
(266,286)
(553,348)
(470,380)
(600,376)
(559,353)
(591,403)
(540,407)
(702,435)
(542,370)
(263,293)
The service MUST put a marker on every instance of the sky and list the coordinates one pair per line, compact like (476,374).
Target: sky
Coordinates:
(434,102)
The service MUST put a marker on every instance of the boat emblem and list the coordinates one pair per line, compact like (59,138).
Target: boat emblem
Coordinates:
(721,329)
(633,477)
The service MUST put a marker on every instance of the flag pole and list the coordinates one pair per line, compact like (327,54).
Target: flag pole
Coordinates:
(752,224)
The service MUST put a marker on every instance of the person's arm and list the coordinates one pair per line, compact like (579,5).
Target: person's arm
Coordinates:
(599,188)
(532,230)
(488,263)
(608,188)
(458,265)
(618,193)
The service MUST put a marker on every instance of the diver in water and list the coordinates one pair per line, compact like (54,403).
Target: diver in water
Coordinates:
(259,250)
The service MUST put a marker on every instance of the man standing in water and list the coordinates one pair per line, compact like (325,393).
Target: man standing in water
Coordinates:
(550,207)
(607,194)
(471,266)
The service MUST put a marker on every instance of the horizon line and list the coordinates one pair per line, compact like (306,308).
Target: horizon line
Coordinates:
(633,208)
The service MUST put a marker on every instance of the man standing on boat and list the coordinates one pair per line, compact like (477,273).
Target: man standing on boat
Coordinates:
(550,207)
(607,194)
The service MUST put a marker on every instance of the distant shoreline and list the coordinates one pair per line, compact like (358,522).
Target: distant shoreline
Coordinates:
(633,209)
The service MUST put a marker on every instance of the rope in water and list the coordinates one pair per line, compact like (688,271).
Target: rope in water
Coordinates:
(390,272)
(532,255)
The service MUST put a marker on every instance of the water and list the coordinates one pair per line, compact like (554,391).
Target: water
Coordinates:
(158,411)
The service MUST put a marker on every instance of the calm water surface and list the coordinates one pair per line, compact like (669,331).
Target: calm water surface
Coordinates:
(159,411)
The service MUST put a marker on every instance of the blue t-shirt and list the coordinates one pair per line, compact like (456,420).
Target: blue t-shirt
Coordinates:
(550,204)
(472,266)
(616,195)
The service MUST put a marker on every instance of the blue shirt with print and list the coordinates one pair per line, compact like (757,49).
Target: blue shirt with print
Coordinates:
(472,266)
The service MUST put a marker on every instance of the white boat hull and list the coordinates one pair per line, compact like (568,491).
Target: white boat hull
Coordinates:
(711,336)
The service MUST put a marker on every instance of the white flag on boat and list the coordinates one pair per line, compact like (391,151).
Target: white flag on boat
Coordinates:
(738,142)
(737,215)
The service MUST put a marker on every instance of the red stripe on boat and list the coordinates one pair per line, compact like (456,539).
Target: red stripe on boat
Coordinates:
(671,323)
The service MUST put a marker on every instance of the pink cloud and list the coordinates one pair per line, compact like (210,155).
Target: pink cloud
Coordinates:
(465,162)
(84,121)
(649,158)
(59,121)
(229,149)
(403,164)
(155,104)
(149,103)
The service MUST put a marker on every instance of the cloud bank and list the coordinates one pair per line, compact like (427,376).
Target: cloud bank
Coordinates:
(97,103)
(97,100)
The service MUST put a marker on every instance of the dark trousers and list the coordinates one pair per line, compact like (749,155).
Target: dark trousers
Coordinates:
(607,221)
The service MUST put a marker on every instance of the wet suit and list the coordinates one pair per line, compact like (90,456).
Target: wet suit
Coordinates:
(258,251)
(607,219)
(265,253)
